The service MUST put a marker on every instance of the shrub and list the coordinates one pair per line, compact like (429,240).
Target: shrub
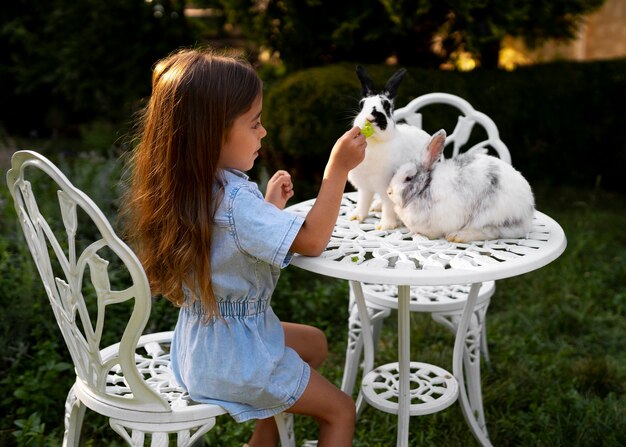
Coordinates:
(561,121)
(304,115)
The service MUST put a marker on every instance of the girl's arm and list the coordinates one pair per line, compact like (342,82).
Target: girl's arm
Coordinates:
(347,153)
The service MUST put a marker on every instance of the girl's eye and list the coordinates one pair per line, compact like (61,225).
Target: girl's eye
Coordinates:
(257,125)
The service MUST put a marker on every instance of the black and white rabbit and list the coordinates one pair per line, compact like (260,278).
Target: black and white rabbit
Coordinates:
(470,197)
(391,145)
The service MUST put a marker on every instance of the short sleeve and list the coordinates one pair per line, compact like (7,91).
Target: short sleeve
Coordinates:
(261,229)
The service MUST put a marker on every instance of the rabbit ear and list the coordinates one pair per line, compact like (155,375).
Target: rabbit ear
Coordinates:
(435,148)
(394,81)
(367,85)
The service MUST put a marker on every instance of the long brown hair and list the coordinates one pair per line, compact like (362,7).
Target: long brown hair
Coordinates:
(172,196)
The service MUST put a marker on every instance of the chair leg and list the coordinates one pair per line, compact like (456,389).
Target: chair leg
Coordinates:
(284,422)
(74,414)
(471,358)
(133,439)
(136,434)
(484,346)
(354,349)
(450,320)
(471,361)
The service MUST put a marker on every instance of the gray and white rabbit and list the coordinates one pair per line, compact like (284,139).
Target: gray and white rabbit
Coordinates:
(391,145)
(470,197)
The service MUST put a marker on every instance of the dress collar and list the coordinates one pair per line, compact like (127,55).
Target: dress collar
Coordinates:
(233,174)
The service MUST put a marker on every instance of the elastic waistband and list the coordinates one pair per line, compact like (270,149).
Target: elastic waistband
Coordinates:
(242,308)
(234,308)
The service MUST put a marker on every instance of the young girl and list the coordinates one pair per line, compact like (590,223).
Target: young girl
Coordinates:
(214,246)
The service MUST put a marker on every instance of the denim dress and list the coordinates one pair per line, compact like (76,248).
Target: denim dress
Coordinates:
(240,361)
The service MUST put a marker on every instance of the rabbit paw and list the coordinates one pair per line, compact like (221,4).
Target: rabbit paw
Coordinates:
(466,236)
(455,238)
(356,216)
(386,225)
(377,205)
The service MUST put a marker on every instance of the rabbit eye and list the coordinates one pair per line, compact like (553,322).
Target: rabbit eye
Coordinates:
(408,178)
(387,106)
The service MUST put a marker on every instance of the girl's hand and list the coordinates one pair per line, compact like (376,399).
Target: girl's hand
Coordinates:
(348,151)
(279,189)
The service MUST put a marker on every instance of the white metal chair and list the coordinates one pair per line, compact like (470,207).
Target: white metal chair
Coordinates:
(129,382)
(445,303)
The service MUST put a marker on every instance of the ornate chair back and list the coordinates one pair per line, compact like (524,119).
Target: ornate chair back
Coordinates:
(80,303)
(468,117)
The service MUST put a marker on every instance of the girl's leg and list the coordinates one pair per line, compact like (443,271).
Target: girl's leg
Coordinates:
(310,343)
(334,410)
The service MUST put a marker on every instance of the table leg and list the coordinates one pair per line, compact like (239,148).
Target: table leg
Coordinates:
(404,354)
(366,336)
(457,366)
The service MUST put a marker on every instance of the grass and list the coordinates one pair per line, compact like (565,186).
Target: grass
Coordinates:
(556,338)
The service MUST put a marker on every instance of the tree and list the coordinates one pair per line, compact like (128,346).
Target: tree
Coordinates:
(313,32)
(418,33)
(480,25)
(66,62)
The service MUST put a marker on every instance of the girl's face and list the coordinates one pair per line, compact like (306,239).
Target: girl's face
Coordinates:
(243,141)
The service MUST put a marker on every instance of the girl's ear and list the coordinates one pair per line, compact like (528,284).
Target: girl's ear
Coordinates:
(394,81)
(367,85)
(435,148)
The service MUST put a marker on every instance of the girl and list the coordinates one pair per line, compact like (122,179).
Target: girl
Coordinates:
(212,245)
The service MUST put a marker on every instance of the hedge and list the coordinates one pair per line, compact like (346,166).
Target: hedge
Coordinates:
(563,122)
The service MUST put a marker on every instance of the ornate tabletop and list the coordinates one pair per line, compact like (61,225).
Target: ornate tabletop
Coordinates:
(358,251)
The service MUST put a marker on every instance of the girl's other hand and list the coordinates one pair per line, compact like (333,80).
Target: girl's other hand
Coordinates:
(279,189)
(348,151)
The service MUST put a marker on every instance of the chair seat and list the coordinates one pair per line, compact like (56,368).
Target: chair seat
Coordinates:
(153,362)
(426,298)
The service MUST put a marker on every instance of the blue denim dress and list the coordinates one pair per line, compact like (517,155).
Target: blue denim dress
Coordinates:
(240,361)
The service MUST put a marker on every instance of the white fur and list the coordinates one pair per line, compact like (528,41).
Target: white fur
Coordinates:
(386,151)
(461,204)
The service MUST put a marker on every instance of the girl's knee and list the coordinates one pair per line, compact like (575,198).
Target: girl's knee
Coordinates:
(320,342)
(317,349)
(308,341)
(348,408)
(343,411)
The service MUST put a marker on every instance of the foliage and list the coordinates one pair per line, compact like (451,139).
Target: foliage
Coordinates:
(479,26)
(555,337)
(65,62)
(424,33)
(306,33)
(536,110)
(303,116)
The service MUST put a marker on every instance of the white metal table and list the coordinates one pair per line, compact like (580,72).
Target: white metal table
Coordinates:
(359,253)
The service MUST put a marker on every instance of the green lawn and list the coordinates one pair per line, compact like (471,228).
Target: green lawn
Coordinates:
(557,339)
